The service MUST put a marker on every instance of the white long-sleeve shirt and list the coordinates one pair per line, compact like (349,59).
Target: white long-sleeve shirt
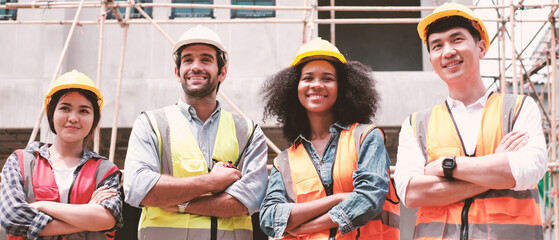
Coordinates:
(528,164)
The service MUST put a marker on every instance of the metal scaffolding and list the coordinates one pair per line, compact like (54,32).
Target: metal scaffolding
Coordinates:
(518,73)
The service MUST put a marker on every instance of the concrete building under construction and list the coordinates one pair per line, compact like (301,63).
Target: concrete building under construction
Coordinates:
(126,47)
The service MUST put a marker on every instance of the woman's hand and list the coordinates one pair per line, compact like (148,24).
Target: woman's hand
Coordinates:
(37,205)
(294,232)
(101,194)
(343,196)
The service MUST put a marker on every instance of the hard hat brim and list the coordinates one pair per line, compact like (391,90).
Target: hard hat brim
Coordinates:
(316,55)
(179,44)
(424,24)
(76,86)
(219,46)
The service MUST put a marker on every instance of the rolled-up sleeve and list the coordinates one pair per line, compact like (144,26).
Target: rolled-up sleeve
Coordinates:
(17,217)
(528,164)
(275,209)
(411,162)
(113,204)
(251,188)
(142,164)
(370,182)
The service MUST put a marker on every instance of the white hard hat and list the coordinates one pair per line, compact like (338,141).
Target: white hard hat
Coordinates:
(201,34)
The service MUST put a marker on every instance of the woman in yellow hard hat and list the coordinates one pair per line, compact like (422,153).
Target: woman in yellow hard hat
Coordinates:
(333,181)
(61,190)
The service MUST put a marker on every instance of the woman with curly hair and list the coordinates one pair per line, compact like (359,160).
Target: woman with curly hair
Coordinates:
(334,180)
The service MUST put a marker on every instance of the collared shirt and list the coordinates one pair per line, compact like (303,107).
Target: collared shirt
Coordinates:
(143,163)
(18,218)
(528,164)
(370,182)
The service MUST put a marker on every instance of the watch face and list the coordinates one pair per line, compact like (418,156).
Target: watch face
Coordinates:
(448,163)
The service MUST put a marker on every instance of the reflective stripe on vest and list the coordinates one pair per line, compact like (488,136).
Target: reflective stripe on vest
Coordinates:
(303,184)
(181,157)
(495,214)
(38,171)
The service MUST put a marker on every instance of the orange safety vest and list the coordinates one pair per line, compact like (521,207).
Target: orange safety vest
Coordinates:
(38,171)
(303,184)
(495,214)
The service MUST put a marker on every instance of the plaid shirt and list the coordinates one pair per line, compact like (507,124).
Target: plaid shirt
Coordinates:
(18,218)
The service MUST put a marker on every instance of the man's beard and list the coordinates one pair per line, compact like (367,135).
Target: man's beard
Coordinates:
(208,88)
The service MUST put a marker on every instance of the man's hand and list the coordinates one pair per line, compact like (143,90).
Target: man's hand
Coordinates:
(222,177)
(512,142)
(435,168)
(173,209)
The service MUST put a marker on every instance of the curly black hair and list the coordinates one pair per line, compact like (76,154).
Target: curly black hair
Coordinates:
(357,101)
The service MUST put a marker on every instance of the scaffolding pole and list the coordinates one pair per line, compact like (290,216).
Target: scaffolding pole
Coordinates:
(102,16)
(57,70)
(119,87)
(310,21)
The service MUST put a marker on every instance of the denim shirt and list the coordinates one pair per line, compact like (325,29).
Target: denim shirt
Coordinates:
(370,181)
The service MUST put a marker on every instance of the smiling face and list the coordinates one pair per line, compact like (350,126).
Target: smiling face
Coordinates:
(455,54)
(198,72)
(318,86)
(73,117)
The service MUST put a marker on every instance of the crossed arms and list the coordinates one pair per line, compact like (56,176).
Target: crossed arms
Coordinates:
(44,218)
(228,191)
(345,211)
(518,163)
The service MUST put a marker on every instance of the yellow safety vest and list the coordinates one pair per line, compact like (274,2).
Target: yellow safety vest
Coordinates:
(182,157)
(495,214)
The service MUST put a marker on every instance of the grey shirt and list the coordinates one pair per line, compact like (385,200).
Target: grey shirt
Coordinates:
(143,163)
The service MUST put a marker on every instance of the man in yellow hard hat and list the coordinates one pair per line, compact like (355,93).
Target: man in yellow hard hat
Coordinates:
(198,171)
(471,164)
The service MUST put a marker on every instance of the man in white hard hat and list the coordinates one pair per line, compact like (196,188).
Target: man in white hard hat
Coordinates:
(198,171)
(471,164)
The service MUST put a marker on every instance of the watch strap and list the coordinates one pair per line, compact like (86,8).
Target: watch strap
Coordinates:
(448,170)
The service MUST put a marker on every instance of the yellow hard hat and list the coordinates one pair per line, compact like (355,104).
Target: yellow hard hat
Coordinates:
(74,79)
(452,9)
(318,49)
(201,34)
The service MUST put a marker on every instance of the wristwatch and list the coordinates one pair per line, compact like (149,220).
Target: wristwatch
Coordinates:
(182,207)
(449,164)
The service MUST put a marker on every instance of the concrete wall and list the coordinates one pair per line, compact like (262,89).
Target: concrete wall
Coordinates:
(384,47)
(31,52)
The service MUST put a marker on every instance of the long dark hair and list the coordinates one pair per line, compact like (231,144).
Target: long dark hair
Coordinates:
(89,96)
(357,101)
